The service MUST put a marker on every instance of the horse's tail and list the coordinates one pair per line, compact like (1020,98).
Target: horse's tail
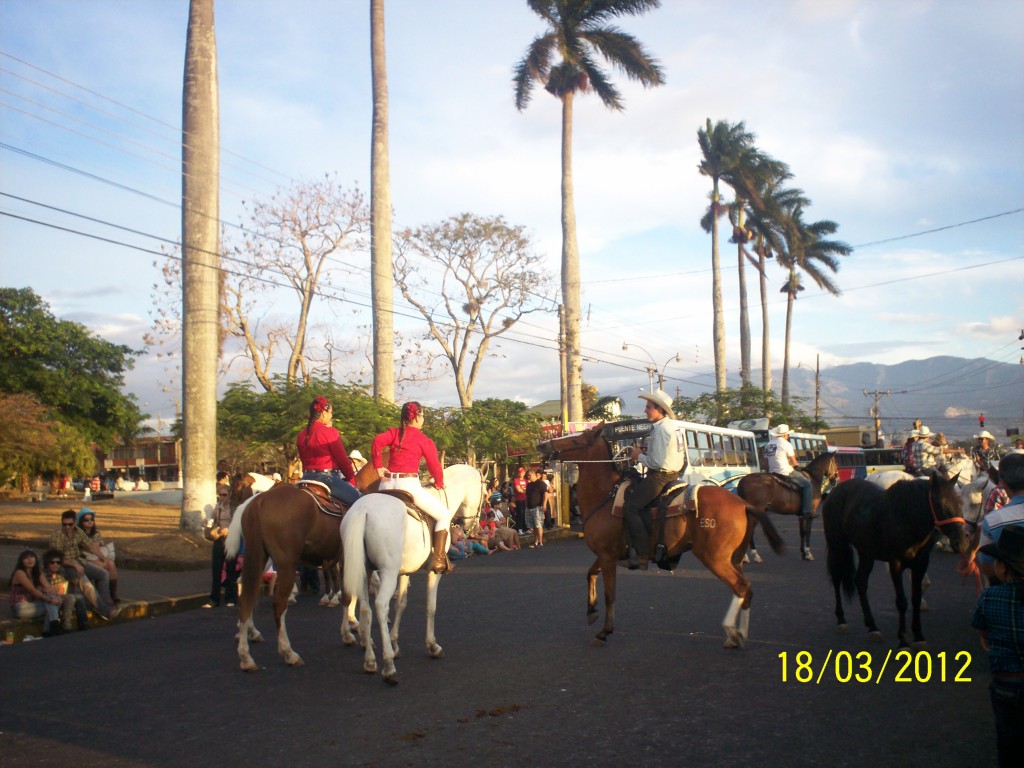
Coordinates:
(774,539)
(234,543)
(841,567)
(353,545)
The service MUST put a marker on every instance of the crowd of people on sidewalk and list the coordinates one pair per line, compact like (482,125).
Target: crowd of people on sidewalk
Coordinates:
(77,573)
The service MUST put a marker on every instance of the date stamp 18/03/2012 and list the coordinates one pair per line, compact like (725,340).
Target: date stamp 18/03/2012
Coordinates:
(902,666)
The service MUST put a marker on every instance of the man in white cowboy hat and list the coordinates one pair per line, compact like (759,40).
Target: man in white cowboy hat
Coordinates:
(927,456)
(357,459)
(664,460)
(985,452)
(781,460)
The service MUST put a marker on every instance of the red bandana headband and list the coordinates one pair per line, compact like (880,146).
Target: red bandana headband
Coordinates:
(411,411)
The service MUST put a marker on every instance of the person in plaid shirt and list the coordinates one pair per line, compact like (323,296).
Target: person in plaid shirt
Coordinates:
(91,578)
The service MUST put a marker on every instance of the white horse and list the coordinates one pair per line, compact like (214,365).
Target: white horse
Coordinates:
(463,493)
(973,498)
(888,478)
(378,533)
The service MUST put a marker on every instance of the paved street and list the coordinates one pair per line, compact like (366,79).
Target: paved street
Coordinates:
(522,684)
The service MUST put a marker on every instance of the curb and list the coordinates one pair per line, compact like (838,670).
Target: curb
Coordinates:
(19,630)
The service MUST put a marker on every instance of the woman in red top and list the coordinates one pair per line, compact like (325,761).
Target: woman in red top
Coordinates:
(323,453)
(407,446)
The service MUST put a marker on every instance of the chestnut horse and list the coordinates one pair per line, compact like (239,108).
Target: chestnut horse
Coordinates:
(717,531)
(765,492)
(286,524)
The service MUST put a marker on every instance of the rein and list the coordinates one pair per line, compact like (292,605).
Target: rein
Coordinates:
(965,568)
(931,506)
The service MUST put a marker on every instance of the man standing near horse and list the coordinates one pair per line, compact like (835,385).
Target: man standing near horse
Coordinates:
(1011,475)
(407,446)
(781,459)
(664,460)
(323,454)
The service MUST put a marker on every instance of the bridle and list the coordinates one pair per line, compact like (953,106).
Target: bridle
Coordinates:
(935,517)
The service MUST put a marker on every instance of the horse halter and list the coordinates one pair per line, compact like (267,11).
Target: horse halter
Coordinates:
(940,523)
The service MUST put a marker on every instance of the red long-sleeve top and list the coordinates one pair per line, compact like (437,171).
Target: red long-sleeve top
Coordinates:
(405,457)
(324,450)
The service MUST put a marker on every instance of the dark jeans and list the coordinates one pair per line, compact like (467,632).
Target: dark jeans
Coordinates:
(340,487)
(230,580)
(1008,706)
(638,526)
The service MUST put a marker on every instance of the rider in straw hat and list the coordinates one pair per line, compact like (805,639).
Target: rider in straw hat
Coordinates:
(927,456)
(781,459)
(985,452)
(664,460)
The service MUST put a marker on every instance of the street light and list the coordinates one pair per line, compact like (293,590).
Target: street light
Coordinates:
(652,369)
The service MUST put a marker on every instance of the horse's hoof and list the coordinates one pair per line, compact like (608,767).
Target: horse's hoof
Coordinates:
(730,643)
(733,638)
(437,653)
(591,617)
(294,660)
(599,642)
(257,638)
(370,667)
(844,628)
(808,556)
(924,604)
(249,666)
(919,645)
(876,636)
(325,600)
(390,679)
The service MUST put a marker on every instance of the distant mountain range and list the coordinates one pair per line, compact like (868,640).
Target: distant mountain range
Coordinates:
(947,393)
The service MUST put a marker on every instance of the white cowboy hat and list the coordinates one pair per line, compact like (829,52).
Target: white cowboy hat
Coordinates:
(662,400)
(985,433)
(356,456)
(915,433)
(925,432)
(780,430)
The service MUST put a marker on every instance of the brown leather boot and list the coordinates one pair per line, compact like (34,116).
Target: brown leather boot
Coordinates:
(441,563)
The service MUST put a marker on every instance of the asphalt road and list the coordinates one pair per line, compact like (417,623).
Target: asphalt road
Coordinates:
(522,683)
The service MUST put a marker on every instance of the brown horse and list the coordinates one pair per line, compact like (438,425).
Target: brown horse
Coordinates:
(717,530)
(286,524)
(765,492)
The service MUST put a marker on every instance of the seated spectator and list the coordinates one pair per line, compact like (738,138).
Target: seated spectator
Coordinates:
(488,523)
(505,538)
(459,547)
(122,484)
(91,579)
(141,484)
(32,596)
(87,522)
(72,603)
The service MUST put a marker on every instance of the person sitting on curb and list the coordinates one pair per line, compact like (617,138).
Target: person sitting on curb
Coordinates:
(73,605)
(87,522)
(90,578)
(32,596)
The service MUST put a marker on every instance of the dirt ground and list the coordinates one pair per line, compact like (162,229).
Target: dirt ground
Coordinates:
(139,529)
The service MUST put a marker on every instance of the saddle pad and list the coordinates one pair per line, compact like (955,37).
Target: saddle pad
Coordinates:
(785,482)
(312,485)
(321,495)
(620,498)
(679,499)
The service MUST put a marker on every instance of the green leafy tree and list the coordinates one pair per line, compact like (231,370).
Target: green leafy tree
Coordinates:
(259,427)
(579,35)
(77,376)
(487,430)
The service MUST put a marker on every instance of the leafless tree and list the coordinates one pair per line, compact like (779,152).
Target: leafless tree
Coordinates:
(472,279)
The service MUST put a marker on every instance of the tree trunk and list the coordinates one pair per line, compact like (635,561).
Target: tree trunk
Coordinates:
(718,332)
(766,355)
(744,319)
(382,268)
(570,273)
(200,227)
(790,297)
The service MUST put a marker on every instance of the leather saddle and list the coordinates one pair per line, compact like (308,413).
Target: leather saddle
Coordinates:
(785,482)
(676,499)
(321,495)
(410,506)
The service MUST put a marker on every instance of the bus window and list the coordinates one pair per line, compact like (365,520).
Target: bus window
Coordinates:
(692,449)
(716,441)
(704,446)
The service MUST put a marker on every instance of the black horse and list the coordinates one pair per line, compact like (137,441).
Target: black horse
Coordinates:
(897,526)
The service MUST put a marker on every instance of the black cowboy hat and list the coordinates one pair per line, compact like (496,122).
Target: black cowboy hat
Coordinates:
(1009,548)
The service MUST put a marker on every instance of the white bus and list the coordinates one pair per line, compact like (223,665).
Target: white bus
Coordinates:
(714,455)
(806,445)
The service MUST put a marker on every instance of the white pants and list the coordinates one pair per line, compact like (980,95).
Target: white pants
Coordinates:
(425,498)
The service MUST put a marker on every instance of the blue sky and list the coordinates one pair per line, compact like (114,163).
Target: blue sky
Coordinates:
(896,117)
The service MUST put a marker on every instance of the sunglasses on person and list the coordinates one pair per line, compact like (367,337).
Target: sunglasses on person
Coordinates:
(54,562)
(68,525)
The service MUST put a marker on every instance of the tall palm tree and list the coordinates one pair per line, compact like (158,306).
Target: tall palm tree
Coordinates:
(753,171)
(579,33)
(722,146)
(766,222)
(200,227)
(810,252)
(381,267)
